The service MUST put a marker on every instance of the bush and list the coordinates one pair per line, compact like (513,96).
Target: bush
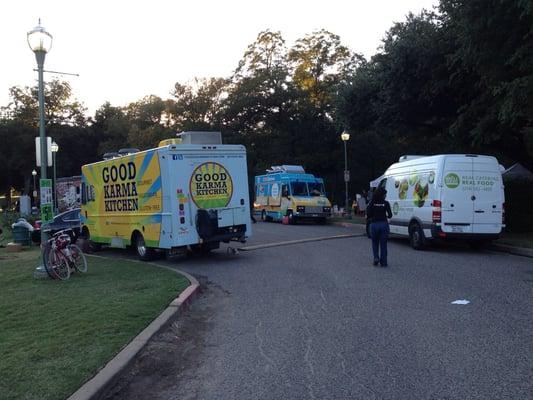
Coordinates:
(518,200)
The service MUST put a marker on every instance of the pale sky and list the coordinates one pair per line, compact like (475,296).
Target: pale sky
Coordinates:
(125,50)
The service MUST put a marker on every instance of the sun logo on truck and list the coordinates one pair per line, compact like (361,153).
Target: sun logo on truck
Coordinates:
(211,186)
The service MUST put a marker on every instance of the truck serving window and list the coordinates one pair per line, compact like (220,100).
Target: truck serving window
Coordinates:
(299,189)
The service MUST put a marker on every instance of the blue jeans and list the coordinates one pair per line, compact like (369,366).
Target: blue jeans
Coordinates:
(380,234)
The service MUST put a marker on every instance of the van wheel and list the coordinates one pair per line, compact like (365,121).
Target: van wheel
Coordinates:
(416,236)
(144,253)
(292,218)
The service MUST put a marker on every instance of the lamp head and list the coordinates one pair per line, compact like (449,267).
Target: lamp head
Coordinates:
(34,173)
(345,136)
(39,39)
(54,147)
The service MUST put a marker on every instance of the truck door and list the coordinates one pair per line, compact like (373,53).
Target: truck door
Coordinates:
(488,196)
(457,195)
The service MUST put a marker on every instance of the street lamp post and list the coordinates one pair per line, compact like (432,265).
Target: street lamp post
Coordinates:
(55,149)
(40,42)
(345,136)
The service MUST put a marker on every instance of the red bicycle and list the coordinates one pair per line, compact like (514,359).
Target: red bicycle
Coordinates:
(63,257)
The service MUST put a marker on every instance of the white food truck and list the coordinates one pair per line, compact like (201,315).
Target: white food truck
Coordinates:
(450,196)
(190,195)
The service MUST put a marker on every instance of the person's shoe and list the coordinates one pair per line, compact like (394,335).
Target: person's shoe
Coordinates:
(384,265)
(375,263)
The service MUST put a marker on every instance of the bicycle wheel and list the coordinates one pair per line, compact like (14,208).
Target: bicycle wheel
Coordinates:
(80,262)
(58,265)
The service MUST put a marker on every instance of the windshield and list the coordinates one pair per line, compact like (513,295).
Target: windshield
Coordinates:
(316,188)
(299,189)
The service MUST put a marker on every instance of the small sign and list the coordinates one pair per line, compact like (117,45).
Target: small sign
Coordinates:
(346,176)
(47,200)
(48,151)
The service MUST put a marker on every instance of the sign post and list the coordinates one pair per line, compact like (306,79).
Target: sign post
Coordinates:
(47,201)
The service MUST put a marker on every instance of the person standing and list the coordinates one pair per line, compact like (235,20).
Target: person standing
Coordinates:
(378,212)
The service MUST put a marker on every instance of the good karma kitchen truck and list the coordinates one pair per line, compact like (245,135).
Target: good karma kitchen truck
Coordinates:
(175,197)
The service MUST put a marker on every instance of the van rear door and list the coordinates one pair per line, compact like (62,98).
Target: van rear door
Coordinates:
(456,199)
(488,195)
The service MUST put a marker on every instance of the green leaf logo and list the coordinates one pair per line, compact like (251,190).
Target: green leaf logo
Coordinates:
(452,180)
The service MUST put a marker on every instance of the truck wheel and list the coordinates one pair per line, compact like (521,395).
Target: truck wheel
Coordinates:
(292,218)
(87,245)
(144,253)
(416,236)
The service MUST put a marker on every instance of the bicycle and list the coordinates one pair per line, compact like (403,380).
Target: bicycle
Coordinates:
(63,257)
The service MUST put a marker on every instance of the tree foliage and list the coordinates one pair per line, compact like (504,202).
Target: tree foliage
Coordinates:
(456,80)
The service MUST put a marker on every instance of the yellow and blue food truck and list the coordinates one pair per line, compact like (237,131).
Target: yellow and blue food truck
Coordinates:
(288,191)
(174,197)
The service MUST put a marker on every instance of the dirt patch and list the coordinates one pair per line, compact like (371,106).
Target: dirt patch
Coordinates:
(166,362)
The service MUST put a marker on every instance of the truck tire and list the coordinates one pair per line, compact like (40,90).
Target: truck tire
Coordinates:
(144,253)
(416,236)
(87,245)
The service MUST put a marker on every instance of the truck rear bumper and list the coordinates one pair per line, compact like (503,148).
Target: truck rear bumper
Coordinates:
(437,233)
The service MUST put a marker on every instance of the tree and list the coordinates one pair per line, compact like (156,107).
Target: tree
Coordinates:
(494,46)
(319,62)
(196,106)
(60,107)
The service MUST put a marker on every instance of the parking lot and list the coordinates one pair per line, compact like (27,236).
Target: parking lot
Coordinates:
(313,319)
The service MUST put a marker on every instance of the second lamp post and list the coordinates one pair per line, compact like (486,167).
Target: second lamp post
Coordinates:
(345,136)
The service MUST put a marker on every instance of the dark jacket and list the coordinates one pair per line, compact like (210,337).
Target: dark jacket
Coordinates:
(378,211)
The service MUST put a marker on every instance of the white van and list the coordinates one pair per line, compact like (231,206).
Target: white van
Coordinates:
(451,196)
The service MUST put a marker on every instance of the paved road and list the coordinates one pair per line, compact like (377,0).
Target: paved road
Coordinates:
(316,321)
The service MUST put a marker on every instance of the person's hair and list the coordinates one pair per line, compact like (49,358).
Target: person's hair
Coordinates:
(379,194)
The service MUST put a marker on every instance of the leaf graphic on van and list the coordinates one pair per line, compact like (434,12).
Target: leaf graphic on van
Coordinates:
(403,189)
(420,194)
(413,178)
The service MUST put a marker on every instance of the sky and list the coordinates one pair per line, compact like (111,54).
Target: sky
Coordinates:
(125,50)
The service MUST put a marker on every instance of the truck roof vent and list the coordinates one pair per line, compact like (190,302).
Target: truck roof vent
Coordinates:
(125,152)
(110,155)
(293,169)
(200,137)
(409,157)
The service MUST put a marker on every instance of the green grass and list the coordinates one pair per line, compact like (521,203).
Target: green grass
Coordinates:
(56,335)
(517,239)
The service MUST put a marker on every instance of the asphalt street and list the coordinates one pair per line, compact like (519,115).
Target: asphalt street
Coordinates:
(315,320)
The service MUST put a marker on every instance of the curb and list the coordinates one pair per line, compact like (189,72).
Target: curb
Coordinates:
(502,248)
(95,387)
(517,251)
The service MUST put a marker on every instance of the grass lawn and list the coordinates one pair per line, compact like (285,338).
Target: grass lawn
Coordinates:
(56,335)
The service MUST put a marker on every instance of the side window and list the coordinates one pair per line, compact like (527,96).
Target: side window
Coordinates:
(382,184)
(285,190)
(83,193)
